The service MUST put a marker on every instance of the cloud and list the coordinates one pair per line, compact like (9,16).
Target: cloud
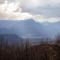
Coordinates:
(45,7)
(48,8)
(1,1)
(12,11)
(39,3)
(47,11)
(43,19)
(39,10)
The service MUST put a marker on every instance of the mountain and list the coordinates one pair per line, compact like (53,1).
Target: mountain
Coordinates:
(52,29)
(29,28)
(24,28)
(6,31)
(10,39)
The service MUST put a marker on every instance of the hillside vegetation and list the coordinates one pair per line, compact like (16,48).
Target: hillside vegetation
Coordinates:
(42,51)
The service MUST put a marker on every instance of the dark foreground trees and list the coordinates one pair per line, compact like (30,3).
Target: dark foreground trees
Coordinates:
(27,52)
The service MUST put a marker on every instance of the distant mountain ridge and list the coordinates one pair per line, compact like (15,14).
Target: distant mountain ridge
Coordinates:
(29,28)
(22,28)
(11,39)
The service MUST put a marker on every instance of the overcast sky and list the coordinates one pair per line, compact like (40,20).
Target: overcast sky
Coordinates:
(37,8)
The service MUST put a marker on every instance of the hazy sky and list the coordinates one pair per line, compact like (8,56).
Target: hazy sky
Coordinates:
(41,10)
